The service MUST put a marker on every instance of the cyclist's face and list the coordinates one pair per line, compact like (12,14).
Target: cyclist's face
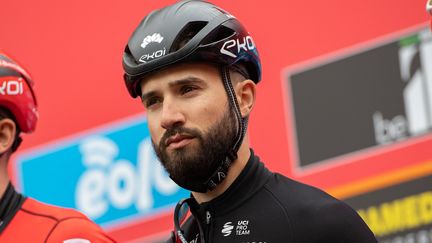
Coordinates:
(189,118)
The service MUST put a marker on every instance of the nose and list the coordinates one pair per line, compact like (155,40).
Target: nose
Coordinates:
(172,115)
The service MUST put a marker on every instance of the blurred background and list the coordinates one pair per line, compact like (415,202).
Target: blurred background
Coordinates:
(345,104)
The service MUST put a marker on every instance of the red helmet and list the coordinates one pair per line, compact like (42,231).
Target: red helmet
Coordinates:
(16,93)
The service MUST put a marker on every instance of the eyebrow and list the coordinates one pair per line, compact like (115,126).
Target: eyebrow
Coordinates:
(187,80)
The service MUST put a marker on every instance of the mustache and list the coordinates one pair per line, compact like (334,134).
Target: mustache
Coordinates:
(178,130)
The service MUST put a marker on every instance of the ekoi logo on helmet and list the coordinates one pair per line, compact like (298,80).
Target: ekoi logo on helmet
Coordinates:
(150,56)
(237,45)
(156,37)
(11,87)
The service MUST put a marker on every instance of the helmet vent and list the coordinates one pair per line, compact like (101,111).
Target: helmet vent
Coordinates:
(221,33)
(9,72)
(187,33)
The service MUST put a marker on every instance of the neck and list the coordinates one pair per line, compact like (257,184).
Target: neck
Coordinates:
(4,176)
(236,168)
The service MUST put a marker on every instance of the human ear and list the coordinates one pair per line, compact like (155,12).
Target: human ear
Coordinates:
(245,91)
(7,134)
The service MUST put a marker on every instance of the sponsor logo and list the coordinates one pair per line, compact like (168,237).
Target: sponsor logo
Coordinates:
(195,240)
(233,47)
(180,235)
(417,95)
(399,213)
(241,228)
(110,182)
(148,57)
(112,174)
(221,176)
(156,37)
(227,229)
(373,97)
(11,87)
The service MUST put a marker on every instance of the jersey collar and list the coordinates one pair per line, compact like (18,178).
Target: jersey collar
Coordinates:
(251,179)
(10,203)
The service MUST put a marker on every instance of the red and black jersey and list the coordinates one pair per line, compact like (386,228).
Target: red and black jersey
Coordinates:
(24,219)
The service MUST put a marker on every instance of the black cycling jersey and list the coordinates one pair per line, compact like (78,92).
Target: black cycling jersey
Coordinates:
(261,206)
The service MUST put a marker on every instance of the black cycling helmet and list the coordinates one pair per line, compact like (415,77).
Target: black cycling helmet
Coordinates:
(194,31)
(188,31)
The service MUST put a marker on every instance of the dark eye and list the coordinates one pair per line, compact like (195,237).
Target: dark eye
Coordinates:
(151,101)
(187,89)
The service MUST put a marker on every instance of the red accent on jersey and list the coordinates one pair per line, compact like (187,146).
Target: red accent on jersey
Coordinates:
(39,222)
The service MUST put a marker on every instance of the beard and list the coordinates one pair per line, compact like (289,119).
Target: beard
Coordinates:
(191,166)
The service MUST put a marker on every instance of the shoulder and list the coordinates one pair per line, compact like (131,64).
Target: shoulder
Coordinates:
(66,224)
(39,209)
(296,195)
(77,228)
(301,201)
(318,216)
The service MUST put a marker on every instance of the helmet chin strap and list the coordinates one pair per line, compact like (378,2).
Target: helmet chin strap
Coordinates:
(232,98)
(221,172)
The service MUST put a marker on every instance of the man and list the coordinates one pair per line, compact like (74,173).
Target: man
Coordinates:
(195,68)
(24,219)
(429,9)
